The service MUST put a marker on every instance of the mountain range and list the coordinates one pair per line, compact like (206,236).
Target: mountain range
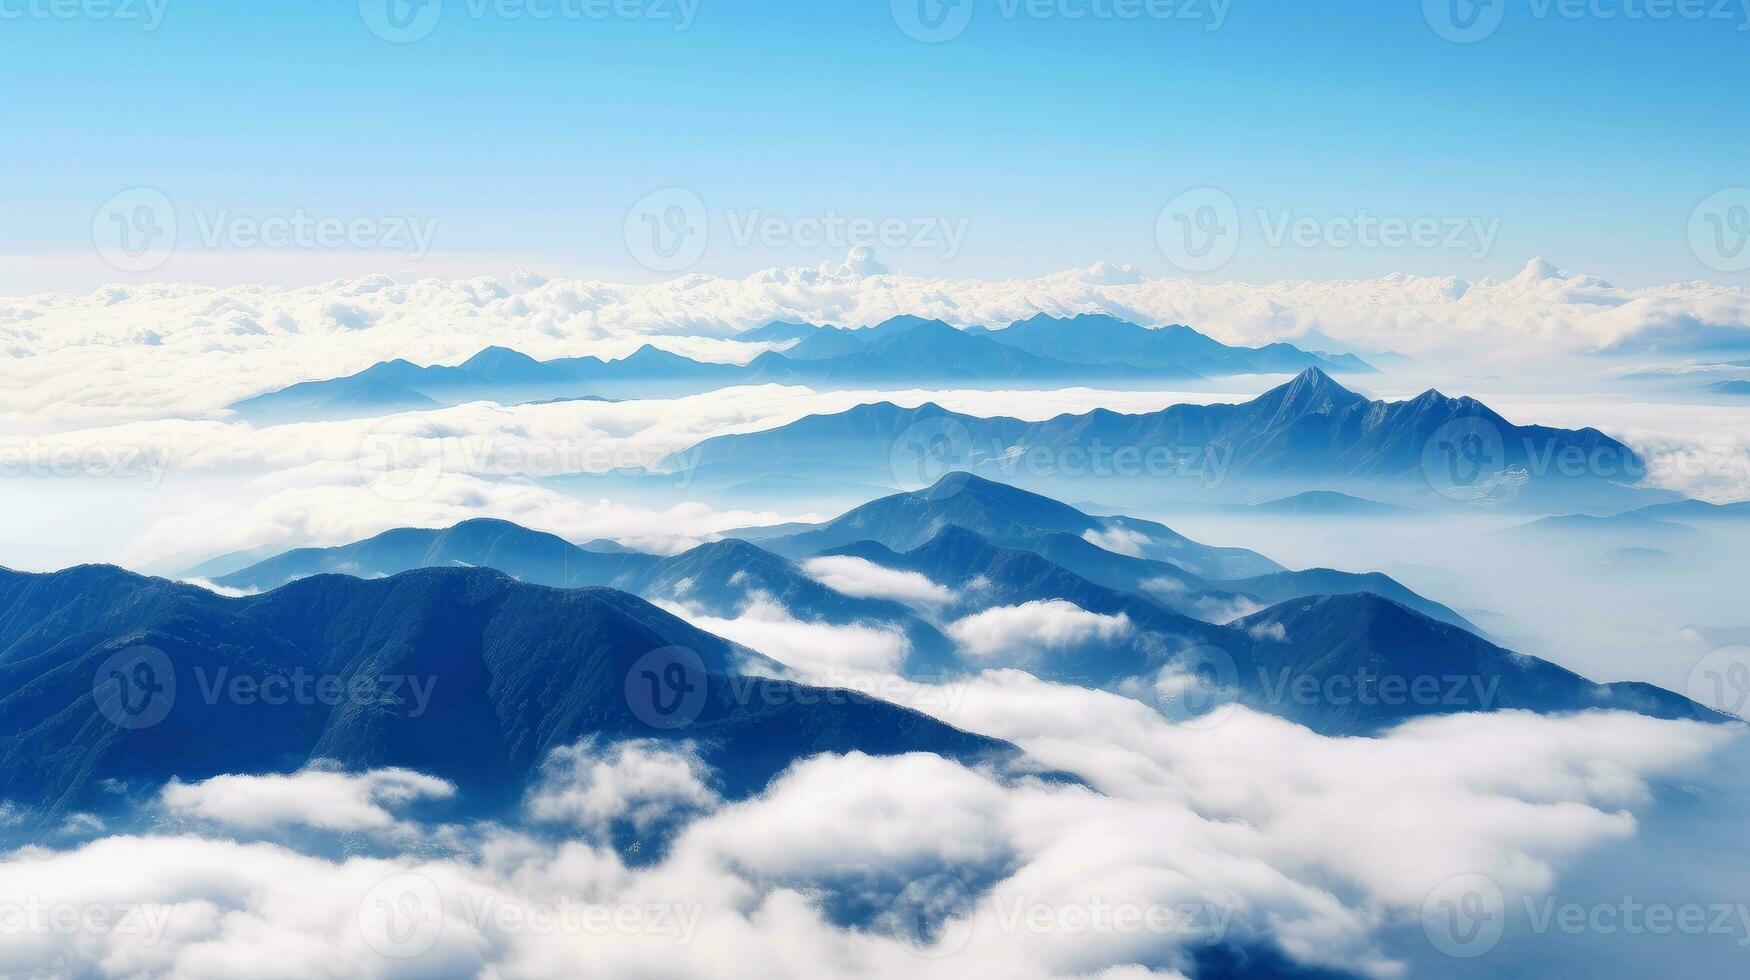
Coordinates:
(1308,434)
(903,351)
(112,683)
(992,549)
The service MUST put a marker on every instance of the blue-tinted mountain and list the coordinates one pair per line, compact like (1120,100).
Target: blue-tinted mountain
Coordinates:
(1203,597)
(1698,512)
(777,332)
(909,350)
(1365,640)
(1318,660)
(905,350)
(1010,517)
(513,671)
(1329,502)
(1096,338)
(718,579)
(1309,434)
(1735,388)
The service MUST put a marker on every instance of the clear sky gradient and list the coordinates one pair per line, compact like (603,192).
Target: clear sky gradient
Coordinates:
(1052,140)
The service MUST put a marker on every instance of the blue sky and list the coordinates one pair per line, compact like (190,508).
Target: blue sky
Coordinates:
(1050,141)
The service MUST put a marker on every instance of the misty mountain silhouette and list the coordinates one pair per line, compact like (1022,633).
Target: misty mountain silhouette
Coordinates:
(1310,433)
(904,350)
(509,672)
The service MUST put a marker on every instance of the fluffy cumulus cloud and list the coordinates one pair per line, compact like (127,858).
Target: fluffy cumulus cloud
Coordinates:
(313,799)
(1034,627)
(860,577)
(641,782)
(1252,832)
(825,652)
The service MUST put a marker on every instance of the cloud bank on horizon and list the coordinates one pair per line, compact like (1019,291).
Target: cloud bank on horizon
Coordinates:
(128,350)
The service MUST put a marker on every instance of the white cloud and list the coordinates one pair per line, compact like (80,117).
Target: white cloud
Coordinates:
(313,798)
(863,578)
(82,354)
(1313,845)
(829,654)
(1031,627)
(1121,540)
(644,782)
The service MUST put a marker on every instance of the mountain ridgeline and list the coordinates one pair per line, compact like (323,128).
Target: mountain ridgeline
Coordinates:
(1310,434)
(112,683)
(988,550)
(904,351)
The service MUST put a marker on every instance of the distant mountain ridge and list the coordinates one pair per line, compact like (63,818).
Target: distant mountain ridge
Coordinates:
(904,350)
(994,549)
(1308,434)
